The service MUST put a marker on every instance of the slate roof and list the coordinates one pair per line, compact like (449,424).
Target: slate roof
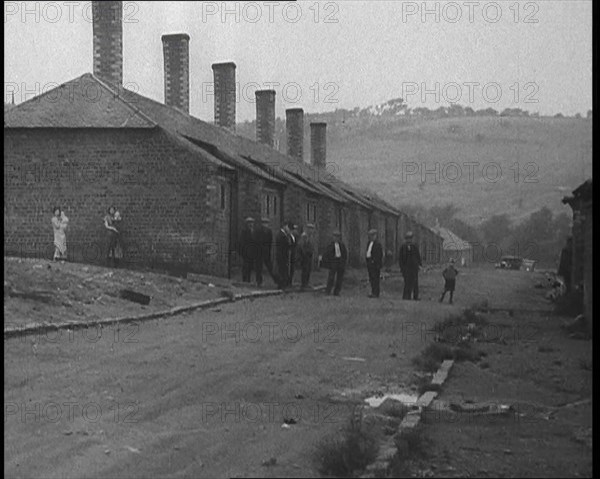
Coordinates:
(451,241)
(88,102)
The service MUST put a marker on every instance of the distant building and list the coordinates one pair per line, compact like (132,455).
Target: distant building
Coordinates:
(454,247)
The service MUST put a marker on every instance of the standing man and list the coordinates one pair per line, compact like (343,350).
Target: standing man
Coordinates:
(374,262)
(306,252)
(410,261)
(334,259)
(294,235)
(282,256)
(248,249)
(265,240)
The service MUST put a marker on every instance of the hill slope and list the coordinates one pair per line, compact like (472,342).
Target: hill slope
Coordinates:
(484,165)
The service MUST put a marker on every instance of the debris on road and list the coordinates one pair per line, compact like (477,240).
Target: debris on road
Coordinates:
(134,296)
(269,462)
(132,449)
(362,360)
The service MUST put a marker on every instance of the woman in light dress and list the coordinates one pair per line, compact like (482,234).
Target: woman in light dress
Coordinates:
(59,224)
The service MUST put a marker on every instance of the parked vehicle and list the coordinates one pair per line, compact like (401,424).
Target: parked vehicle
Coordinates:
(510,262)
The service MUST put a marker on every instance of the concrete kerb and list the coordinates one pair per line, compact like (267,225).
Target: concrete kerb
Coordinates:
(412,419)
(43,328)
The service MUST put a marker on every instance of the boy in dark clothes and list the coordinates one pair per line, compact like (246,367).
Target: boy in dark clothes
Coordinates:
(449,275)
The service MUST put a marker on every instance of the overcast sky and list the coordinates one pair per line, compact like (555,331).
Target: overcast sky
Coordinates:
(328,55)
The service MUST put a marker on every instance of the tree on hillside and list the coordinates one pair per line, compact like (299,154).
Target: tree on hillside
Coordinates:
(589,115)
(578,116)
(486,112)
(559,115)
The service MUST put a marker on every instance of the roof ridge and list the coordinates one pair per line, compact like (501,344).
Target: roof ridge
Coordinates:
(119,97)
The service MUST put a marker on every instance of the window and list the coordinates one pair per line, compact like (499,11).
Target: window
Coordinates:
(269,205)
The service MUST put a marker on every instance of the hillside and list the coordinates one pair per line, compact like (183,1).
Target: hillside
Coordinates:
(554,155)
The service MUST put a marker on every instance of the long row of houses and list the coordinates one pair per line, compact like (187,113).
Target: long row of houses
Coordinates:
(183,186)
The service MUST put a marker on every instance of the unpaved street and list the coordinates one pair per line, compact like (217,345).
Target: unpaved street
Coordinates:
(206,394)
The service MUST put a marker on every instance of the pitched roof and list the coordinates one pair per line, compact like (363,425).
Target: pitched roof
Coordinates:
(85,102)
(88,102)
(451,241)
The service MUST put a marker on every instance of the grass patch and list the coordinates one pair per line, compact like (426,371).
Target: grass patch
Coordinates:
(410,445)
(432,356)
(348,453)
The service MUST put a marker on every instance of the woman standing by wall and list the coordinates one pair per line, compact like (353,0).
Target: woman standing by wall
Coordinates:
(111,224)
(59,224)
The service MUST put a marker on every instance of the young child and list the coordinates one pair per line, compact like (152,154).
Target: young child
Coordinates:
(449,275)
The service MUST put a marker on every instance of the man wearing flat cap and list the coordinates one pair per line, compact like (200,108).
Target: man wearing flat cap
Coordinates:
(334,259)
(248,249)
(410,261)
(374,258)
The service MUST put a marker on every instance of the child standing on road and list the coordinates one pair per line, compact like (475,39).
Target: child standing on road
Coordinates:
(449,275)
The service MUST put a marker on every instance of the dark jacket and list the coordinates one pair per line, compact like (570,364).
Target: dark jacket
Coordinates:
(450,273)
(409,257)
(329,259)
(282,248)
(248,246)
(264,236)
(376,254)
(306,251)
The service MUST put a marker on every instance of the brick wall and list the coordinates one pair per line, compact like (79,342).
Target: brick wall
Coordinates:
(171,201)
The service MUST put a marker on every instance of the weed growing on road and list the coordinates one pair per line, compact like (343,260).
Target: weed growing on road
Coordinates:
(347,454)
(410,445)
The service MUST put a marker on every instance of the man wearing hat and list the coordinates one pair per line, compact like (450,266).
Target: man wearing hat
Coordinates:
(282,256)
(374,258)
(294,236)
(306,251)
(249,250)
(334,259)
(410,261)
(264,237)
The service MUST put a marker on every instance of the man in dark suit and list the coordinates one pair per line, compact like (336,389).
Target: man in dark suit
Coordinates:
(248,250)
(282,256)
(294,236)
(410,261)
(306,251)
(334,259)
(374,258)
(264,240)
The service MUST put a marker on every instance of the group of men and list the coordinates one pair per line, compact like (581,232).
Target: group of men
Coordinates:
(294,249)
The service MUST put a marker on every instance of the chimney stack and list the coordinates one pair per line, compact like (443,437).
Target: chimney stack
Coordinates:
(294,122)
(108,41)
(265,117)
(176,54)
(318,144)
(224,84)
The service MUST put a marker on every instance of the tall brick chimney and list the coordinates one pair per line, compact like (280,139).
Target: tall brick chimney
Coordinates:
(265,117)
(108,41)
(176,54)
(294,122)
(224,80)
(318,144)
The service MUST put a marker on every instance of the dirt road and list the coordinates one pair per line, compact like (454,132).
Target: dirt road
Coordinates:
(207,394)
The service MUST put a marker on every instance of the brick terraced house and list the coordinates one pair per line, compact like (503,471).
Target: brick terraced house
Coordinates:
(183,185)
